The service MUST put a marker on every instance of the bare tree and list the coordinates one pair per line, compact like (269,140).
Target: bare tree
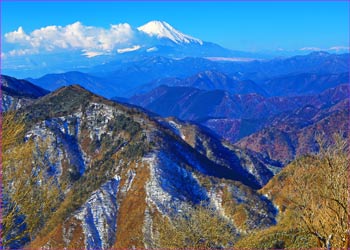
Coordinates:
(29,194)
(319,193)
(198,227)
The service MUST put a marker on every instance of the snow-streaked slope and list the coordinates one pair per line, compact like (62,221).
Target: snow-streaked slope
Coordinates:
(125,171)
(99,216)
(161,29)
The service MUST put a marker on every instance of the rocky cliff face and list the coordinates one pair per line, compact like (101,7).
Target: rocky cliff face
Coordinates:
(121,171)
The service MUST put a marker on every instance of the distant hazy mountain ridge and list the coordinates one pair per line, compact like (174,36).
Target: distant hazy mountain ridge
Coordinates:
(141,74)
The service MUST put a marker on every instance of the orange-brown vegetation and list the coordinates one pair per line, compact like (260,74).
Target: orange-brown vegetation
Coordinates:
(197,227)
(132,210)
(312,196)
(69,235)
(24,181)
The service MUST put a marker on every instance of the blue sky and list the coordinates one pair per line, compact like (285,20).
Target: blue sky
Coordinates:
(251,26)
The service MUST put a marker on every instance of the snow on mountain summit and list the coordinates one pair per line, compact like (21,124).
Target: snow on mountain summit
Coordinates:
(162,29)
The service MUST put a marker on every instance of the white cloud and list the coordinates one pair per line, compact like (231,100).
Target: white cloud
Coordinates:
(17,36)
(152,49)
(22,52)
(92,40)
(337,48)
(133,48)
(91,54)
(310,49)
(334,48)
(230,59)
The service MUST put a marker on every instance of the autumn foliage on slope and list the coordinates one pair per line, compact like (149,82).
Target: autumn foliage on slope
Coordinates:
(27,188)
(312,196)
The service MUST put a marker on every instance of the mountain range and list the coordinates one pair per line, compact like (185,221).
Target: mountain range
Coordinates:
(127,78)
(205,140)
(234,116)
(291,135)
(173,142)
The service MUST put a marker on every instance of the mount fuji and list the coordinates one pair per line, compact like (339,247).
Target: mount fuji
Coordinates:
(155,38)
(159,38)
(161,29)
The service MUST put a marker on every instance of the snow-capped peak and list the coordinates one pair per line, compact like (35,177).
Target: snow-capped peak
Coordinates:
(162,29)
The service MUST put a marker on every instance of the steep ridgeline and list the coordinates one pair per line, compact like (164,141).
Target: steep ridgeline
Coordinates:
(293,134)
(18,93)
(124,174)
(222,152)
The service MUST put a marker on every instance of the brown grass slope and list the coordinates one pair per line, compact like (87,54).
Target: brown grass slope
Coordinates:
(311,194)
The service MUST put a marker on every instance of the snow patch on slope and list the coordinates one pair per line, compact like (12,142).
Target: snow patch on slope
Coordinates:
(97,118)
(171,186)
(177,129)
(60,135)
(129,180)
(216,201)
(54,152)
(14,103)
(99,216)
(155,194)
